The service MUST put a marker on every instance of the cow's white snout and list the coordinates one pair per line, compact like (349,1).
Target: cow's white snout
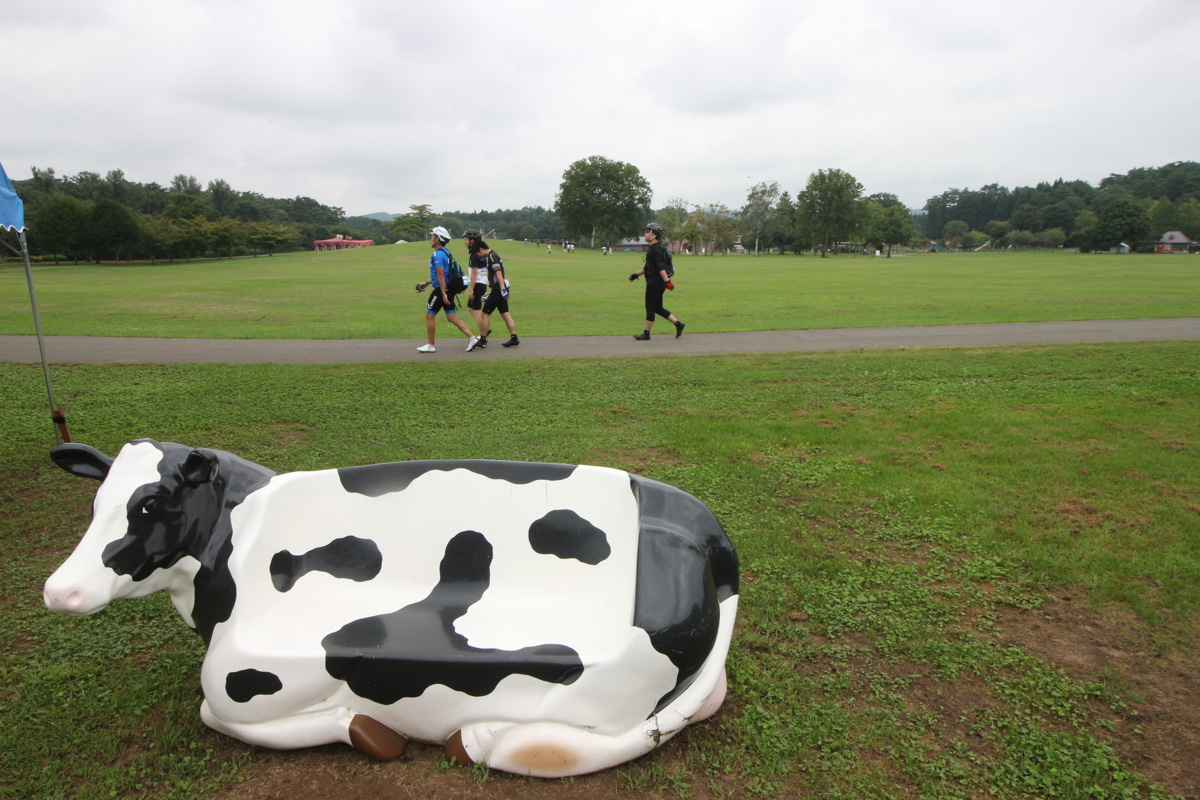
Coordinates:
(69,597)
(70,602)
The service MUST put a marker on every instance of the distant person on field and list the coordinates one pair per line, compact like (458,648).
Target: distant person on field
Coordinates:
(439,267)
(657,282)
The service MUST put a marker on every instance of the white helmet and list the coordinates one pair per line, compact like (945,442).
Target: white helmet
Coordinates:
(441,233)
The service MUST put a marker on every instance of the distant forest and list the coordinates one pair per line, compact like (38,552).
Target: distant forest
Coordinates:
(89,217)
(1140,205)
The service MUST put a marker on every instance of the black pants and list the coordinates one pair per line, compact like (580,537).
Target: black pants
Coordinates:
(654,298)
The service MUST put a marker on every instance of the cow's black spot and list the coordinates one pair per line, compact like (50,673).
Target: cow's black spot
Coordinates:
(686,566)
(350,558)
(392,656)
(565,534)
(244,686)
(379,479)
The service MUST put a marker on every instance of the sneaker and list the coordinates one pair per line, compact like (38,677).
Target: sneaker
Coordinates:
(482,342)
(644,336)
(426,348)
(678,329)
(513,341)
(471,344)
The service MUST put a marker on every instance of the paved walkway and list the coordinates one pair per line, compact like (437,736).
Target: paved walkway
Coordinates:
(114,350)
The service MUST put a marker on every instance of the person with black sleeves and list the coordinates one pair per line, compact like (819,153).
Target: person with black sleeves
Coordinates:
(657,282)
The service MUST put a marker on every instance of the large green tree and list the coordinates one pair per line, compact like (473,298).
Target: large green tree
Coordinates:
(223,198)
(829,206)
(756,213)
(783,231)
(159,237)
(60,226)
(186,184)
(413,226)
(1123,221)
(602,198)
(673,218)
(112,230)
(893,225)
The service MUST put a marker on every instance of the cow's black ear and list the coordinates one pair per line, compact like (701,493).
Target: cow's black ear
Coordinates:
(82,460)
(200,467)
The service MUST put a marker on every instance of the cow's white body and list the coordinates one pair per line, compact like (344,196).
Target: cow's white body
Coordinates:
(525,724)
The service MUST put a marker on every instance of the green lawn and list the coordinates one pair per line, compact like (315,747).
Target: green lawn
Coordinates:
(368,293)
(966,573)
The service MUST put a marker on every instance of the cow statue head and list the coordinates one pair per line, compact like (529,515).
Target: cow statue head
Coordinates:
(157,522)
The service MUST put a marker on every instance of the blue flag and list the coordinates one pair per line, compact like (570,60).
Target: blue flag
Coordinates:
(12,210)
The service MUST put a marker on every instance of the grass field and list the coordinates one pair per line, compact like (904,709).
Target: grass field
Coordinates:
(965,573)
(368,293)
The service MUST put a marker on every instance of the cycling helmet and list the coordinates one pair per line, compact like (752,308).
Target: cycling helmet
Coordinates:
(441,233)
(472,233)
(654,226)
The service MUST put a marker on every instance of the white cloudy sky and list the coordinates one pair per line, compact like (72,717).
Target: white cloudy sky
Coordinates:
(373,105)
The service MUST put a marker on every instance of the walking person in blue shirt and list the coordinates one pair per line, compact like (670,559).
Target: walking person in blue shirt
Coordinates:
(443,298)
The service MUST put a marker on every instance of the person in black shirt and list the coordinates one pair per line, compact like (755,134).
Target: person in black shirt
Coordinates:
(657,282)
(486,263)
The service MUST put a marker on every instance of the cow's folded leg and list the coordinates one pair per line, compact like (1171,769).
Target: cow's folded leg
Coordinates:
(373,738)
(311,729)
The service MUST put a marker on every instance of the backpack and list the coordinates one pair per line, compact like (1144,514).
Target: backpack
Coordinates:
(670,266)
(455,280)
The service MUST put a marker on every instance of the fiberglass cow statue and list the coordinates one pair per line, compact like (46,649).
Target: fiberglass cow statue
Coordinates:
(541,619)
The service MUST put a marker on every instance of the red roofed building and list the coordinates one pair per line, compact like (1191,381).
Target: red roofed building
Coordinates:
(341,243)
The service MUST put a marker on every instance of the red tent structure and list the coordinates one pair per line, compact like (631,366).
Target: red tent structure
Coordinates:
(340,243)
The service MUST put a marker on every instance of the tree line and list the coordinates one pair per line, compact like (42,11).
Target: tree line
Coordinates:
(606,200)
(530,222)
(87,217)
(1136,208)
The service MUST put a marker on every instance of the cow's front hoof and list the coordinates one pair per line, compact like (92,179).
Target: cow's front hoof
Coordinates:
(375,739)
(456,751)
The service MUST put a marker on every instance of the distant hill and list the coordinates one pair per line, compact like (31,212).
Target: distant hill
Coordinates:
(382,216)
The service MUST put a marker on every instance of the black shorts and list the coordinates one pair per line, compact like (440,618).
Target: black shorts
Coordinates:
(475,301)
(435,303)
(494,302)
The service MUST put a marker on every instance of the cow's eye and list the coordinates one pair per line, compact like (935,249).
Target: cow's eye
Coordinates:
(148,506)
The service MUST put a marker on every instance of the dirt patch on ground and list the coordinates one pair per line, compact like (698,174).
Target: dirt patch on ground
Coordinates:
(1161,685)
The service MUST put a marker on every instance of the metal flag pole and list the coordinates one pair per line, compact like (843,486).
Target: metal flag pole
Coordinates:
(60,422)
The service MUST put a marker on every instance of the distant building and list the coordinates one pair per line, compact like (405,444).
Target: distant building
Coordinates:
(341,243)
(1174,242)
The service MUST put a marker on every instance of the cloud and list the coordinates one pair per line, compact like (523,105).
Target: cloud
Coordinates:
(376,104)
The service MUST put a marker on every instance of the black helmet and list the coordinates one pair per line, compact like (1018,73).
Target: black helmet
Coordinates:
(654,226)
(472,233)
